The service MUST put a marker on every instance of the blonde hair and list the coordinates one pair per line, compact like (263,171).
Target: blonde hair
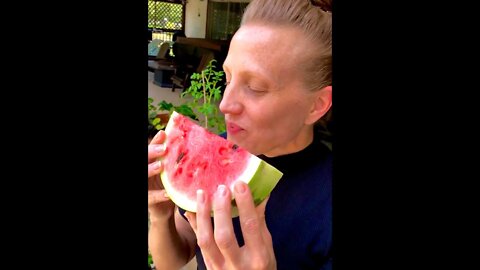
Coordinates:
(314,19)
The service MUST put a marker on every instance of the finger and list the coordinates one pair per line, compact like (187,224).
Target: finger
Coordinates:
(261,215)
(155,151)
(157,196)
(260,209)
(159,137)
(192,219)
(250,222)
(205,238)
(223,233)
(154,168)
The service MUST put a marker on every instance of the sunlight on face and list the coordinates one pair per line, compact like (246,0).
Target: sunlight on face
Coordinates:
(266,103)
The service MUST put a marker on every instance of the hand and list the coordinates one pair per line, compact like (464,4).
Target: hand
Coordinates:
(219,247)
(159,205)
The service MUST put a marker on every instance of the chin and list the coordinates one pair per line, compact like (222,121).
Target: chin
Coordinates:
(252,150)
(241,144)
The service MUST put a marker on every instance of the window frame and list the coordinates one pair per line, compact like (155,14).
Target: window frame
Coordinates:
(151,29)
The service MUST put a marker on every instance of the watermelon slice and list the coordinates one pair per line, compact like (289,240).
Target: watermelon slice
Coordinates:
(198,159)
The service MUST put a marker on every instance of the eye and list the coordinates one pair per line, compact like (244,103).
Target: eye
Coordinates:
(256,90)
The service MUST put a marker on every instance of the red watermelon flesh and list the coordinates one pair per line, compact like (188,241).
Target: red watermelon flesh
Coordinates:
(198,159)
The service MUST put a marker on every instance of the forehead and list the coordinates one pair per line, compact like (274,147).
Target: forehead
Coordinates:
(274,48)
(270,40)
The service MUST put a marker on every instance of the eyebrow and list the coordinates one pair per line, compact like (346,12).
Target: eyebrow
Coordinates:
(254,74)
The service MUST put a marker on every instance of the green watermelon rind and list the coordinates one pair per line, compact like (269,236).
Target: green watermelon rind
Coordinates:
(260,176)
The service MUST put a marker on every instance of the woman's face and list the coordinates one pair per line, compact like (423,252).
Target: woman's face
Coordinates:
(266,104)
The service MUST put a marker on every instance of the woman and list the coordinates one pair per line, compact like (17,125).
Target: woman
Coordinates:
(278,72)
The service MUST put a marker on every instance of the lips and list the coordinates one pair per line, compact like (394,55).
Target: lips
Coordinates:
(233,128)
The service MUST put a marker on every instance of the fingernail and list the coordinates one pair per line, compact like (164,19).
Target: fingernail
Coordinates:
(221,190)
(240,187)
(160,148)
(157,165)
(200,196)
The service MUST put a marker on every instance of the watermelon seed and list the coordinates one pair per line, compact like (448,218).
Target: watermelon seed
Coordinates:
(180,157)
(235,147)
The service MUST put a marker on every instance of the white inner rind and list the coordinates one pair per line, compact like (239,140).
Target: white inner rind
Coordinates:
(178,198)
(170,123)
(247,175)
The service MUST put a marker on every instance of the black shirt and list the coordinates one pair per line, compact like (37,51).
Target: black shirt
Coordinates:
(299,211)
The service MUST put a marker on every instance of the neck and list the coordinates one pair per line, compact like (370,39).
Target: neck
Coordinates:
(300,142)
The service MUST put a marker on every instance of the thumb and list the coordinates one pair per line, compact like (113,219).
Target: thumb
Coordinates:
(157,196)
(159,137)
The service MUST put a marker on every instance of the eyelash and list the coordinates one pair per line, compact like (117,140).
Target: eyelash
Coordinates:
(258,92)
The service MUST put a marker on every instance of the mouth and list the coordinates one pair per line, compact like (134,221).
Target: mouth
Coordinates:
(233,128)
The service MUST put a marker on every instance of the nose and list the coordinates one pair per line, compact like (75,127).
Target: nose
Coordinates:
(230,103)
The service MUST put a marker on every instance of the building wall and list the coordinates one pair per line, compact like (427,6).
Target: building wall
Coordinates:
(196,18)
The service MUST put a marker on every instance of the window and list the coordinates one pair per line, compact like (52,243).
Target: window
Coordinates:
(165,17)
(224,18)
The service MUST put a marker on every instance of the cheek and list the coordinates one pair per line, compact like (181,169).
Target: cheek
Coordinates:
(291,121)
(277,117)
(261,118)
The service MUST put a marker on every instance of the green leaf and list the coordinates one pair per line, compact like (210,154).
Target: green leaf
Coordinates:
(217,95)
(206,109)
(166,106)
(183,94)
(221,127)
(212,122)
(186,110)
(156,121)
(152,114)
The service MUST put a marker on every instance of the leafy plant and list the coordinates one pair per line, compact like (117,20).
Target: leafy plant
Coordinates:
(184,109)
(205,90)
(154,122)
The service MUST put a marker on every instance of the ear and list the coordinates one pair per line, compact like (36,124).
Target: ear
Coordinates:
(321,105)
